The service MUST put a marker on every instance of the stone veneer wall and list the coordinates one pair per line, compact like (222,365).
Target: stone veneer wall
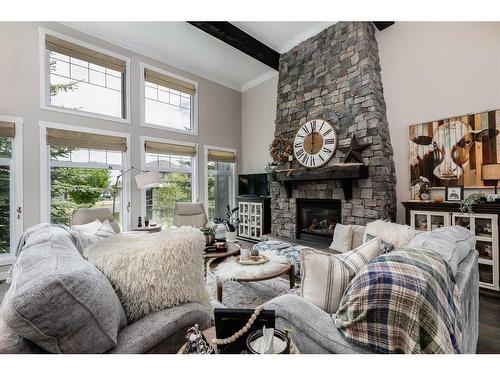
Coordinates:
(335,75)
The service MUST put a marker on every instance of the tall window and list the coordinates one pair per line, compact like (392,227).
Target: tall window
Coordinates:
(175,164)
(8,209)
(83,171)
(220,179)
(168,101)
(82,79)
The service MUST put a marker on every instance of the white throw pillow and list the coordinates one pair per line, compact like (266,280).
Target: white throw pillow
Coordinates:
(92,227)
(396,234)
(342,238)
(106,230)
(452,243)
(93,232)
(358,234)
(326,276)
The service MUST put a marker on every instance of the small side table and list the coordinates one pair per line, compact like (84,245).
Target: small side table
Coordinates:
(149,229)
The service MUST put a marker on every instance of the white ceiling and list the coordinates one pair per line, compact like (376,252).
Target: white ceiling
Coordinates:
(184,46)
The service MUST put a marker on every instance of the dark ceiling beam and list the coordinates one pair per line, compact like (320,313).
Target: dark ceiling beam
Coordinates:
(240,40)
(381,25)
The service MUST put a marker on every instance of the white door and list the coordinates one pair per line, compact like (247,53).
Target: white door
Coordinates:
(11,188)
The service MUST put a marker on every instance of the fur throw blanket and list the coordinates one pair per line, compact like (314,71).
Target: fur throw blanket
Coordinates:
(395,234)
(151,272)
(229,269)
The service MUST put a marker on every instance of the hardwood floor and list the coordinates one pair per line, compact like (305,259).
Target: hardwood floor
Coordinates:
(489,325)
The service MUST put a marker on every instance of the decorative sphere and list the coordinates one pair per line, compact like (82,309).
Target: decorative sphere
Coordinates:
(254,253)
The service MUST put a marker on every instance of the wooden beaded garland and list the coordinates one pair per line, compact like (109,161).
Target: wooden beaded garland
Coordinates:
(242,331)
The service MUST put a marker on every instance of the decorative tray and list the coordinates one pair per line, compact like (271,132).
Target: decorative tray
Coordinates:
(253,260)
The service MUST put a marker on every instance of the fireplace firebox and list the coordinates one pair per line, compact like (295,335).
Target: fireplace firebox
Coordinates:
(317,218)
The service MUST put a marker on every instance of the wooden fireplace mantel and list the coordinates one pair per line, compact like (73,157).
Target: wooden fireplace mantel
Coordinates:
(345,173)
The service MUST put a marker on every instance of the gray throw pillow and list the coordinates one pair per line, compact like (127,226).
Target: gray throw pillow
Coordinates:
(58,300)
(385,247)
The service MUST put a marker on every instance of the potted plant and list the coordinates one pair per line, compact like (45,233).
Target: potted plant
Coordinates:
(471,200)
(271,172)
(209,233)
(231,222)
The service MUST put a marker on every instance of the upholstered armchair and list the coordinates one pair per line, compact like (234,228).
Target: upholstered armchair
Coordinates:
(87,215)
(190,214)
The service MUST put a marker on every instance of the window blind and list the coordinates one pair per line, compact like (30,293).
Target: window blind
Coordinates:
(7,129)
(64,47)
(69,138)
(170,82)
(221,156)
(169,149)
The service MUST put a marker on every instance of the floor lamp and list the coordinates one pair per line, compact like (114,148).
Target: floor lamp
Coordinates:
(144,180)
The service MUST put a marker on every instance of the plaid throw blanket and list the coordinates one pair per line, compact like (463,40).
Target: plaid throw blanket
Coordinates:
(405,301)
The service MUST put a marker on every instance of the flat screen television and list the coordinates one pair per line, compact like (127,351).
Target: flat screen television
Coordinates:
(252,185)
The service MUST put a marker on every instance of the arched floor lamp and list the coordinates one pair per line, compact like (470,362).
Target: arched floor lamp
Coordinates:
(144,180)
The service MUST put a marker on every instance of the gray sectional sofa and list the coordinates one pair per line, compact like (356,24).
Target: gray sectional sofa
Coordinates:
(60,303)
(315,330)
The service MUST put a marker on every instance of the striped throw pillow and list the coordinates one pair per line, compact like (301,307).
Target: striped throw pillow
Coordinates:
(326,276)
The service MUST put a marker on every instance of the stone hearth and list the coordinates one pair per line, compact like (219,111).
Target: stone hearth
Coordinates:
(335,75)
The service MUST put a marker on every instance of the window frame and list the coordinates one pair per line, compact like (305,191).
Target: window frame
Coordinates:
(45,166)
(194,167)
(45,78)
(194,106)
(205,173)
(16,191)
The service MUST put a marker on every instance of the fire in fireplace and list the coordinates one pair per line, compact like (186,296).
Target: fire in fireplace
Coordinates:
(316,219)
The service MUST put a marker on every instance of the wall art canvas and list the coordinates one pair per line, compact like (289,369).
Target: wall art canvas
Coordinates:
(450,152)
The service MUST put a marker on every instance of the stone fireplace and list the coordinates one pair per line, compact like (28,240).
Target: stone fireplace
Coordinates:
(317,218)
(335,75)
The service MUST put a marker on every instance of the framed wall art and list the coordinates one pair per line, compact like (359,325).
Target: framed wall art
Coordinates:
(451,152)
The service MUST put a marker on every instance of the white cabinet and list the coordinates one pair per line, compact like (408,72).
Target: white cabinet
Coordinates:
(485,228)
(255,217)
(429,220)
(251,220)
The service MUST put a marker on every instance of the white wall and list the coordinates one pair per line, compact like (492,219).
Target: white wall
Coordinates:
(219,108)
(432,71)
(258,113)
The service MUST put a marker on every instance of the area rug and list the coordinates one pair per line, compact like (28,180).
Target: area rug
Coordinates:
(250,295)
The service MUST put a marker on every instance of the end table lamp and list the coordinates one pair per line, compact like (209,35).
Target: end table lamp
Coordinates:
(144,180)
(491,172)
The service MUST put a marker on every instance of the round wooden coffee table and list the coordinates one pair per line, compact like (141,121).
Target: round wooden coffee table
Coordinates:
(285,268)
(232,248)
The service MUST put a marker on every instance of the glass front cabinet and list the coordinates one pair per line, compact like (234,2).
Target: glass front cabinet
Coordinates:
(484,227)
(254,218)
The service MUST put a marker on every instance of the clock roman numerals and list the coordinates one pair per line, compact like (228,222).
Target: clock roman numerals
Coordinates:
(315,143)
(327,132)
(330,141)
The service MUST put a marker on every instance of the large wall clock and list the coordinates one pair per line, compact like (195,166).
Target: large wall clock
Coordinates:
(315,143)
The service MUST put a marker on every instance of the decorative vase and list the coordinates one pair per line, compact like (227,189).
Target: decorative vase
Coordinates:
(231,236)
(209,239)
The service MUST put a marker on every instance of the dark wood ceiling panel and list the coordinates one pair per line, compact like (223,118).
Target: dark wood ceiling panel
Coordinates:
(240,40)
